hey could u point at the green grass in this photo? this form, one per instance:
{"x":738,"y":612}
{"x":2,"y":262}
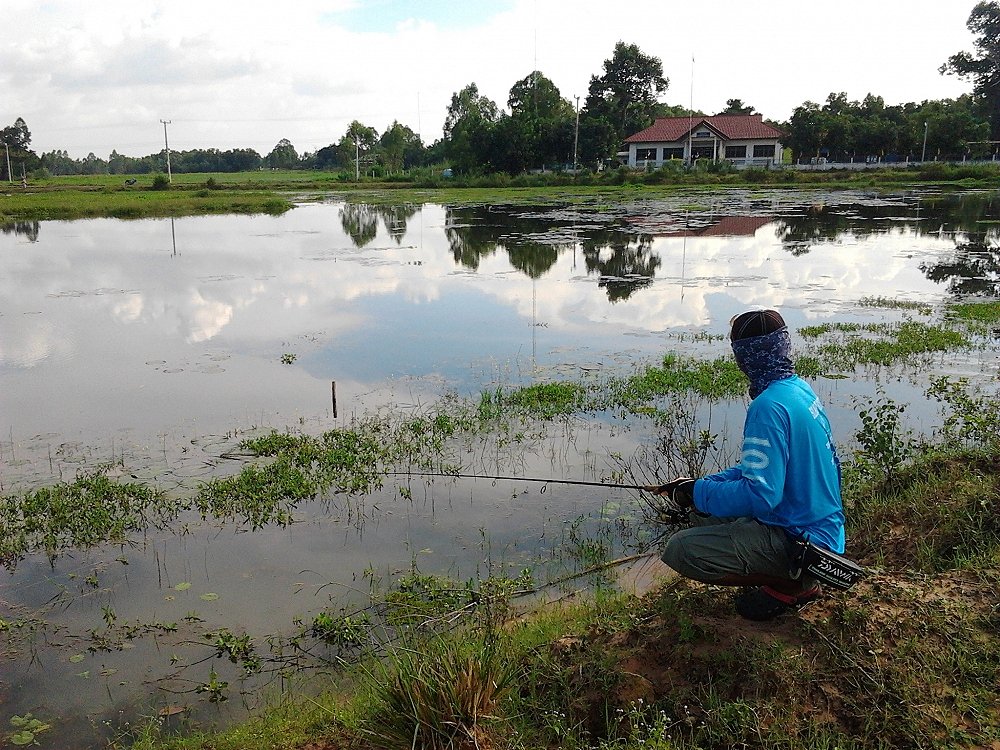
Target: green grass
{"x":92,"y":509}
{"x":847,"y":345}
{"x":716,"y":379}
{"x":266,"y":191}
{"x":895,"y":304}
{"x":136,"y":203}
{"x":980,"y":312}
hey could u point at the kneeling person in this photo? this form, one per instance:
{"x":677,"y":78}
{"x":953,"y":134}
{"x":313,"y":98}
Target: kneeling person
{"x":785,"y":488}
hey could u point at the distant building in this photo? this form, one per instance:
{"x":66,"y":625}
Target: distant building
{"x":745,"y":140}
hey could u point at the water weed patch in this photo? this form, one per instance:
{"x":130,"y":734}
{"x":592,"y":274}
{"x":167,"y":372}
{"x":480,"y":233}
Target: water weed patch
{"x":92,"y":509}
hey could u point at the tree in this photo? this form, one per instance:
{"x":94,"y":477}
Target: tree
{"x":327,"y":157}
{"x":467,"y":127}
{"x":625,"y":96}
{"x":357,"y":142}
{"x":282,"y":156}
{"x":468,"y":104}
{"x":399,"y":148}
{"x":16,"y":137}
{"x":951,"y":125}
{"x":737,"y":107}
{"x":984,"y":67}
{"x":541,"y":121}
{"x":805,"y":130}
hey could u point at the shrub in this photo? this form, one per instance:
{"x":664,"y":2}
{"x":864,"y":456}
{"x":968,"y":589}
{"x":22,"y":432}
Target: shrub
{"x":442,"y":694}
{"x":161,"y":182}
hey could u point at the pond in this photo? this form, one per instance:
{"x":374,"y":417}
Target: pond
{"x":155,"y":346}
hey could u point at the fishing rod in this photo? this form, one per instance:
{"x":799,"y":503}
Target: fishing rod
{"x":643,"y":487}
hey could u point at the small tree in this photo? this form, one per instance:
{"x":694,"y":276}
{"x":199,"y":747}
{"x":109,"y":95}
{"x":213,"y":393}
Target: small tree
{"x":984,"y":67}
{"x":282,"y":156}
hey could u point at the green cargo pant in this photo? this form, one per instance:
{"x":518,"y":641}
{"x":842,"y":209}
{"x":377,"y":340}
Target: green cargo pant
{"x":714,"y":548}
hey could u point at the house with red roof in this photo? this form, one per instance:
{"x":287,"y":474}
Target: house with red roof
{"x":745,"y":140}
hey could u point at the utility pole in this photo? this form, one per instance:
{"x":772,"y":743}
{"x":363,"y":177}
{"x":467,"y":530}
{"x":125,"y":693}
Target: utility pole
{"x":10,"y":177}
{"x":576,"y":132}
{"x":357,"y":158}
{"x":923,"y":154}
{"x":167,"y":146}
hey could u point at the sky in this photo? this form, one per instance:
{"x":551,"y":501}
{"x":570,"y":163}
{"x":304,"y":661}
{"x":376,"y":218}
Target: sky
{"x":97,"y":75}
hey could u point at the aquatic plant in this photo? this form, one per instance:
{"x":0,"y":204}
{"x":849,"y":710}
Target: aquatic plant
{"x":92,"y":509}
{"x":715,"y":379}
{"x":884,"y":343}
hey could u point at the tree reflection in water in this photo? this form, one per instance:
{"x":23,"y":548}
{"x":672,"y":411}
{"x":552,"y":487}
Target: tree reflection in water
{"x":360,"y":221}
{"x":974,"y":270}
{"x":533,"y":238}
{"x":29,"y":229}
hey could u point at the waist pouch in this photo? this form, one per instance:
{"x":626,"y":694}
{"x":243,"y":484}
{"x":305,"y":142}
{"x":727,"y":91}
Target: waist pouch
{"x":825,"y":566}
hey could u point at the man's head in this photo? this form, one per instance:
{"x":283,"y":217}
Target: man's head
{"x":755,"y":323}
{"x":762,"y":348}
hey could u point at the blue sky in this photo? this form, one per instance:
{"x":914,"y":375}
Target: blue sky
{"x":383,"y":15}
{"x":96,"y":76}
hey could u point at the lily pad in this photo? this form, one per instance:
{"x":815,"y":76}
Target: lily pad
{"x":209,"y":597}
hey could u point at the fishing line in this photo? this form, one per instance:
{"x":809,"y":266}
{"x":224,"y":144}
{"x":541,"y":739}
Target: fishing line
{"x":494,"y":478}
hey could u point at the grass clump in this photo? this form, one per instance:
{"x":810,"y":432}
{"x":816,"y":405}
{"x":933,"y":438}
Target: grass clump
{"x":541,"y":401}
{"x":92,"y":509}
{"x":882,"y":343}
{"x":258,"y":495}
{"x":984,"y":314}
{"x":715,"y":379}
{"x":941,"y":513}
{"x":888,"y":303}
{"x":444,"y":694}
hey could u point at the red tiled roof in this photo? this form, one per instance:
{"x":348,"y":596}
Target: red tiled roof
{"x":730,"y":127}
{"x":727,"y":226}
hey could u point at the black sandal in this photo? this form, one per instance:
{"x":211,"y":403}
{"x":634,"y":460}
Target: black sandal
{"x":764,"y":603}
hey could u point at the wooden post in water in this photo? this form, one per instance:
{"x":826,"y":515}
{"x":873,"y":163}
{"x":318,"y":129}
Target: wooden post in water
{"x":333,"y":393}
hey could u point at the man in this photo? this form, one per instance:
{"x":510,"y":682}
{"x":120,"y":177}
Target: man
{"x":786,"y":486}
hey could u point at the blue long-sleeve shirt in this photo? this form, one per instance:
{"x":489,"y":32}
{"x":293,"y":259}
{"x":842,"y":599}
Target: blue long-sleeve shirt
{"x":789,"y":474}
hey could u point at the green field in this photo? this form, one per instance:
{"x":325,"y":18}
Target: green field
{"x":87,"y":196}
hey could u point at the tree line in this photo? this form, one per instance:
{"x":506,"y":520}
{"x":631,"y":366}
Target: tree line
{"x":541,"y":129}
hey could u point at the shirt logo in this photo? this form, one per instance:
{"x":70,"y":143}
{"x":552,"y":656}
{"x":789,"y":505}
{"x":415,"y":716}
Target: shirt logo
{"x":756,"y":458}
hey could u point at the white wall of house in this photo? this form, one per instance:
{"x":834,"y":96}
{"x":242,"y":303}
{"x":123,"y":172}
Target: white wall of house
{"x":639,"y":154}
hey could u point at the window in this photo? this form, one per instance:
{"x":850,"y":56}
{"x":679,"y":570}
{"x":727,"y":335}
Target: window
{"x":763,"y":151}
{"x":645,"y":154}
{"x":673,"y":153}
{"x":736,"y":152}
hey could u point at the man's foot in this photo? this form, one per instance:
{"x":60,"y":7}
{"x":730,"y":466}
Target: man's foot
{"x":764,"y":603}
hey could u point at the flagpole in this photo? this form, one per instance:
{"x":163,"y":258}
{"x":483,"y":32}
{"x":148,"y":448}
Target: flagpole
{"x":691,"y":116}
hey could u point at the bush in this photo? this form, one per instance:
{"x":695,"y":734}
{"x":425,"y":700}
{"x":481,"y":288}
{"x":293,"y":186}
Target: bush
{"x":161,"y":182}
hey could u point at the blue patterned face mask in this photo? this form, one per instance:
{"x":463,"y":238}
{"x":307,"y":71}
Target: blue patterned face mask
{"x":765,"y":359}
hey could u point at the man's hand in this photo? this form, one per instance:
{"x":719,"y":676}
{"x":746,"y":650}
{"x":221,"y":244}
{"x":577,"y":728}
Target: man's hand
{"x":680,"y":491}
